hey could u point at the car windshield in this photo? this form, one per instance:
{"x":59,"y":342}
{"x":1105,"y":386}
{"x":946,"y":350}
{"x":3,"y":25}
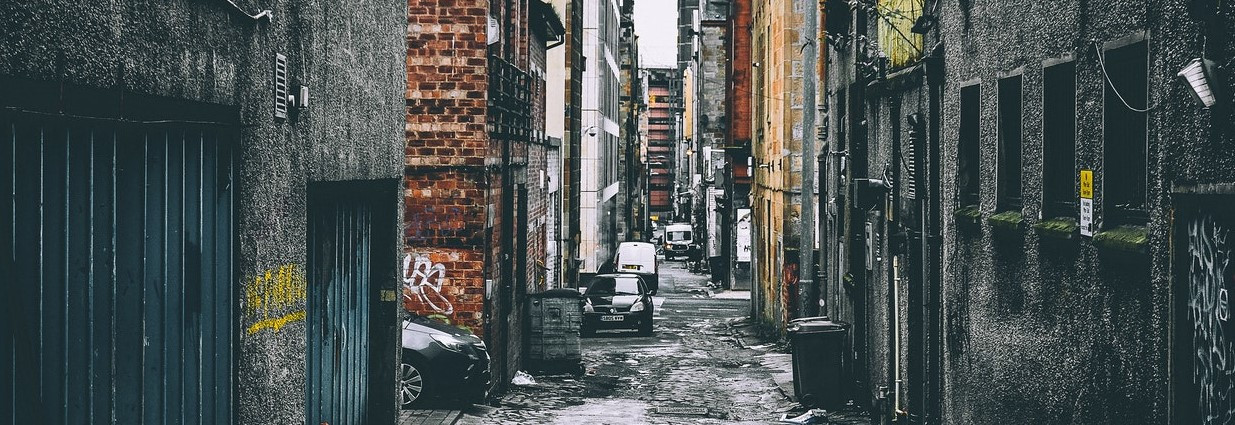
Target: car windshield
{"x":679,"y":236}
{"x":615,"y":286}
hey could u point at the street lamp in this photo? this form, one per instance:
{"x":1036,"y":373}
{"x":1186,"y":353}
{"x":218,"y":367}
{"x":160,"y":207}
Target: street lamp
{"x":1200,"y":74}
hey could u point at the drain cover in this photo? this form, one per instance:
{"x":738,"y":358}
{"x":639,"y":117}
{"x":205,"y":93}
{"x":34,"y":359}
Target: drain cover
{"x":691,"y":411}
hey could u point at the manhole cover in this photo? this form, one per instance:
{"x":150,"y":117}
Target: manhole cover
{"x":690,"y":411}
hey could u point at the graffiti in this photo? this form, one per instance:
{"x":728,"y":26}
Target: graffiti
{"x":275,"y":298}
{"x":1209,"y":310}
{"x":422,"y":283}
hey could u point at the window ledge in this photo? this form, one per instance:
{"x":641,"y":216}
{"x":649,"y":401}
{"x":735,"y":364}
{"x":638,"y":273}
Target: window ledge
{"x":1058,"y":228}
{"x":968,"y":216}
{"x":1133,"y":239}
{"x":1009,"y":221}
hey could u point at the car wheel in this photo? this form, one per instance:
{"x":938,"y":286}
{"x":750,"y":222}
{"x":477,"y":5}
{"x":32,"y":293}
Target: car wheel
{"x":587,"y":332}
{"x":411,"y":384}
{"x":645,"y":327}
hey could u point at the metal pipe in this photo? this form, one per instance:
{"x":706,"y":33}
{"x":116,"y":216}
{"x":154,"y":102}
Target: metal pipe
{"x":808,"y":294}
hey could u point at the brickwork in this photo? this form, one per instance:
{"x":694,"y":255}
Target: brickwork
{"x":448,"y":193}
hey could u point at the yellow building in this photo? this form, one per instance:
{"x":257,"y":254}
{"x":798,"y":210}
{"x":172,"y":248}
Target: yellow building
{"x":776,"y":150}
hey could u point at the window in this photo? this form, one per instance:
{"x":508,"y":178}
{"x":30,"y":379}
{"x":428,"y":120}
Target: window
{"x":967,"y":158}
{"x":1059,"y":140}
{"x":1124,"y":135}
{"x":1009,"y":183}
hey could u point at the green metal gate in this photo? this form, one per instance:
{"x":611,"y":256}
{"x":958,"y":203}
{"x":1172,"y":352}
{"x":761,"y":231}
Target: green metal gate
{"x":351,"y":359}
{"x":119,"y":301}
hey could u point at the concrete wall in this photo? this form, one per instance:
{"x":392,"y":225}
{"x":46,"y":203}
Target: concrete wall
{"x":210,"y":52}
{"x":1044,"y":327}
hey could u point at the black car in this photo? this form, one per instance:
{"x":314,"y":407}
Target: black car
{"x":441,"y":361}
{"x":617,"y":301}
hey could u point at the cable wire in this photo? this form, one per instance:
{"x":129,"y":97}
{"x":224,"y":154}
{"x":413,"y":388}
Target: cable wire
{"x":1105,"y":74}
{"x":264,"y":14}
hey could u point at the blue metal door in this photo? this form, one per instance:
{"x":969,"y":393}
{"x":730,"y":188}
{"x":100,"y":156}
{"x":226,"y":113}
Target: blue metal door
{"x":351,"y":257}
{"x":117,"y":262}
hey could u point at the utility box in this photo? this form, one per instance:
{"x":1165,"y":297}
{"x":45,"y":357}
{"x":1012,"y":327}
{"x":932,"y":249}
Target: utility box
{"x":819,"y":347}
{"x":553,"y":334}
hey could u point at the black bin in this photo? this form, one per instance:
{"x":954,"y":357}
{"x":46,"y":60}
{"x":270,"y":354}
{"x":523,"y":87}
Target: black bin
{"x":819,"y":378}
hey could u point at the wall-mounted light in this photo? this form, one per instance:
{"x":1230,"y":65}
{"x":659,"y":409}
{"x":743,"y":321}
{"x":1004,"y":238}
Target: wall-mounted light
{"x":923,"y":24}
{"x":1200,"y":75}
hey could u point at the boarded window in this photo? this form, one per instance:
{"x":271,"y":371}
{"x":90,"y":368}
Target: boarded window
{"x":1010,"y":143}
{"x":1124,"y":135}
{"x":968,"y":159}
{"x":1059,"y":140}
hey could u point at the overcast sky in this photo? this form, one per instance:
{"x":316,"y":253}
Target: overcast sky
{"x":656,"y":22}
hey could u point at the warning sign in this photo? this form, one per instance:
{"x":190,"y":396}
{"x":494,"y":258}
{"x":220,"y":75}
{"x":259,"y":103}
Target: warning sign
{"x":1086,"y":184}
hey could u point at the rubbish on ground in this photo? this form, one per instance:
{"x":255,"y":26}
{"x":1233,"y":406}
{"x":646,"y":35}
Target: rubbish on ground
{"x":523,"y":379}
{"x":812,"y":416}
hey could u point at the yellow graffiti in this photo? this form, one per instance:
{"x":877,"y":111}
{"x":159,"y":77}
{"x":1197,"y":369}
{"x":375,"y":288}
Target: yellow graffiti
{"x":277,"y":323}
{"x":896,"y":18}
{"x":275,"y":298}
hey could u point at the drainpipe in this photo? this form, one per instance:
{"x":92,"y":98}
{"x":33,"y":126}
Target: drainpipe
{"x":808,"y":294}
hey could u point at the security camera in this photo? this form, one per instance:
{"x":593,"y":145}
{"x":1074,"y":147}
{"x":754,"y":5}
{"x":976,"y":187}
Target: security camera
{"x":591,"y":132}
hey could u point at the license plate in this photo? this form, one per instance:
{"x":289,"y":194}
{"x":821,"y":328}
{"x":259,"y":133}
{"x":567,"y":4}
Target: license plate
{"x":611,"y":318}
{"x":631,"y":267}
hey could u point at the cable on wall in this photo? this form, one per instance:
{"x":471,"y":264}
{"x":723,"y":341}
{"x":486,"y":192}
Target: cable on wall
{"x":264,"y":14}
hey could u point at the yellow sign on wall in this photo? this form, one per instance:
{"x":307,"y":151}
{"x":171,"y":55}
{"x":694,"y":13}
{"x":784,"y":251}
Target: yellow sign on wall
{"x":1086,"y":184}
{"x":896,"y":19}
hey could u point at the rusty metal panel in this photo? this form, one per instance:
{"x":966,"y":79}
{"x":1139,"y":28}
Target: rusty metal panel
{"x":121,"y":252}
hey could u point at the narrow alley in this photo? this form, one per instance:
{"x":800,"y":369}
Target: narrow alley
{"x":355,"y":212}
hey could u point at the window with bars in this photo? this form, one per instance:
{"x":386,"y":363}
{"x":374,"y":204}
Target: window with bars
{"x":1059,"y":192}
{"x":1009,"y":183}
{"x":1125,"y":135}
{"x":968,"y":159}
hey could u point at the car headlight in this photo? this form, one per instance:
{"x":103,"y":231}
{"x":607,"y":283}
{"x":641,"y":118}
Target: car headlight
{"x":587,"y":307}
{"x":449,"y":342}
{"x":637,"y":307}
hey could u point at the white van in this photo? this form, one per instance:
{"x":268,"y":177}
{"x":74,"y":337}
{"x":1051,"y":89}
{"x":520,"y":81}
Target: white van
{"x":639,"y":258}
{"x":677,"y":240}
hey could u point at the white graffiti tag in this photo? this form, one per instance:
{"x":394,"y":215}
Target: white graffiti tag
{"x":422,"y":281}
{"x":1209,"y":309}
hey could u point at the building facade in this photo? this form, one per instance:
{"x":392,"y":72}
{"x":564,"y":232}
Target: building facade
{"x":777,"y":160}
{"x":633,"y":224}
{"x":662,"y":143}
{"x":476,"y":151}
{"x":1021,"y":207}
{"x":599,"y":151}
{"x":181,"y":179}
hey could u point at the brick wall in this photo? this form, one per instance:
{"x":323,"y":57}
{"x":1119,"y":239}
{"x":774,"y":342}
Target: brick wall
{"x":447,"y":194}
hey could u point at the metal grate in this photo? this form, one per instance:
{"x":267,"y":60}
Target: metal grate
{"x":280,"y":86}
{"x":682,"y":410}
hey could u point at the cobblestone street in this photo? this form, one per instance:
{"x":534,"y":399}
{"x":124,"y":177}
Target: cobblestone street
{"x":693,"y":369}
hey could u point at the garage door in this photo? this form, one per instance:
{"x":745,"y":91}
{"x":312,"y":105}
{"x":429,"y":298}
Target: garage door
{"x":117,"y":263}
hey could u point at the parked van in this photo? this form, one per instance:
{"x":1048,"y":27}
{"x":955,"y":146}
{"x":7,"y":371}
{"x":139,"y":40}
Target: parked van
{"x":639,"y":258}
{"x":677,"y":240}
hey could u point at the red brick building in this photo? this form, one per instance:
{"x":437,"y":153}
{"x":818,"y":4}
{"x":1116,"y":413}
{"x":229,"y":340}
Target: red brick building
{"x":475,"y":152}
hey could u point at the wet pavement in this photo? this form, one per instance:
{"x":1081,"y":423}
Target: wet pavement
{"x":704,"y":364}
{"x":691,"y":370}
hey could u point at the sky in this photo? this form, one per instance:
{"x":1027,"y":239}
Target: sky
{"x":656,"y":23}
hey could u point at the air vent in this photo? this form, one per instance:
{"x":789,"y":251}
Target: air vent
{"x":280,"y":86}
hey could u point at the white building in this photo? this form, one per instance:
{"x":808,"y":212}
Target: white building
{"x":600,"y":134}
